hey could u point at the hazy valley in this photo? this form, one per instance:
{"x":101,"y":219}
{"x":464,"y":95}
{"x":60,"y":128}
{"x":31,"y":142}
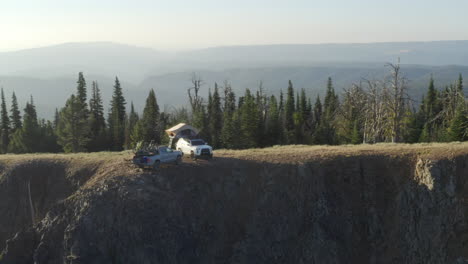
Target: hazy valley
{"x":53,"y":70}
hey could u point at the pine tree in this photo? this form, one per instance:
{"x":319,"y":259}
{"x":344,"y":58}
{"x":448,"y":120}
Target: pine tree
{"x":316,"y":121}
{"x":289,"y":108}
{"x":116,"y":118}
{"x":249,"y":121}
{"x":331,"y":101}
{"x":73,"y":127}
{"x":356,"y":137}
{"x":137,"y":133}
{"x":81,"y":89}
{"x":300,"y":117}
{"x":317,"y":111}
{"x":416,"y":125}
{"x":209,"y":107}
{"x":261,"y":103}
{"x":281,"y":117}
{"x":281,"y":102}
{"x":308,"y":122}
{"x":31,"y":111}
{"x":458,"y":129}
{"x":5,"y":125}
{"x":15,"y":114}
{"x":431,"y":107}
{"x":289,"y":116}
{"x":303,"y":105}
{"x":460,"y":83}
{"x":150,"y":119}
{"x":97,"y":123}
{"x":331,"y":104}
{"x":229,"y":131}
{"x":200,"y":121}
{"x":27,"y":138}
{"x":215,"y":118}
{"x":298,"y":105}
{"x":349,"y":119}
{"x":309,"y":107}
{"x":48,"y":138}
{"x":81,"y":96}
{"x":241,"y":101}
{"x":273,"y":123}
{"x":164,"y":121}
{"x":56,"y":119}
{"x":130,"y":127}
{"x":425,"y":135}
{"x":431,"y":100}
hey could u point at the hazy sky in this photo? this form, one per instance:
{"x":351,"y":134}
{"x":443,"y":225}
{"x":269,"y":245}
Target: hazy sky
{"x":177,"y":24}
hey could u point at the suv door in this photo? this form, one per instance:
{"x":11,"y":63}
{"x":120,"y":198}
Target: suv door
{"x":187,"y":147}
{"x":183,"y":146}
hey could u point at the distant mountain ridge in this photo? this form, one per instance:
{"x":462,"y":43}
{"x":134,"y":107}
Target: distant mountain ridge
{"x":134,"y":63}
{"x":49,"y":73}
{"x":99,"y":58}
{"x":426,"y":53}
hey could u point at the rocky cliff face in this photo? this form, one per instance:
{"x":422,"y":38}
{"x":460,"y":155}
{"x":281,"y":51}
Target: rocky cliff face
{"x":362,"y":208}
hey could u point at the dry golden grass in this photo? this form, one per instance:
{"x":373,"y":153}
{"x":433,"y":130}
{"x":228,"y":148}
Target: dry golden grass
{"x":301,"y":153}
{"x":280,"y":154}
{"x":111,"y":165}
{"x":76,"y":157}
{"x":104,"y":165}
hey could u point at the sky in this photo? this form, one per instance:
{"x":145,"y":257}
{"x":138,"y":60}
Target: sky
{"x":190,"y":24}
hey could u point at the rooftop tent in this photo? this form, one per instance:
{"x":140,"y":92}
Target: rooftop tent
{"x":182,"y":130}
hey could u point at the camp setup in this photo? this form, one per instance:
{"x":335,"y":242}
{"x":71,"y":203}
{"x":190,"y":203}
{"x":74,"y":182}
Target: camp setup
{"x":181,"y":130}
{"x":185,"y":139}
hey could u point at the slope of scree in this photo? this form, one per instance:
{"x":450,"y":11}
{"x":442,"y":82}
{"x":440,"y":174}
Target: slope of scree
{"x":296,"y":204}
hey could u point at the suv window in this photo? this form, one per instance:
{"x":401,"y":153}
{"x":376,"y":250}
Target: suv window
{"x":197,"y":142}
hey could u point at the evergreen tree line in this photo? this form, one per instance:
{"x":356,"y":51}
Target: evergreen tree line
{"x":80,"y":126}
{"x":368,"y":112}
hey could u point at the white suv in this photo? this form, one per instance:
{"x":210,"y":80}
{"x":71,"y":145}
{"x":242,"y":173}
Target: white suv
{"x":196,"y":148}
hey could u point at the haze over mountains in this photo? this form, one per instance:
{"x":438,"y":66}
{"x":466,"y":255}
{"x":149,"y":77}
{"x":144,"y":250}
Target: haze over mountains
{"x":50,"y":73}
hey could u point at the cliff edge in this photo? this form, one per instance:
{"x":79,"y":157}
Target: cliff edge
{"x":384,"y":203}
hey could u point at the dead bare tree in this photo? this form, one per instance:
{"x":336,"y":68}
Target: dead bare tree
{"x":354,"y":101}
{"x":374,"y":112}
{"x":396,"y":100}
{"x":451,"y":99}
{"x":195,"y":99}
